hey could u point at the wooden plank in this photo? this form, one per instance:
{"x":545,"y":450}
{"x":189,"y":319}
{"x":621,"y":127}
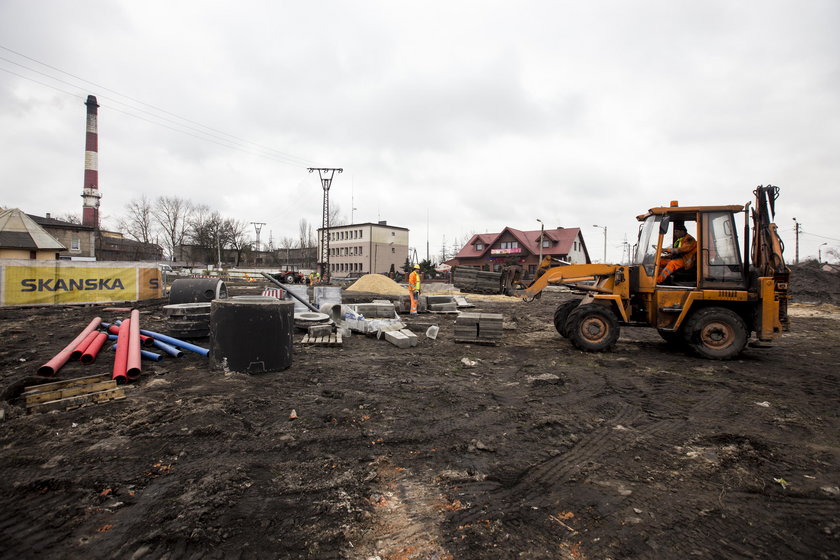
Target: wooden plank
{"x":44,"y":387}
{"x":70,"y":392}
{"x":79,"y":400}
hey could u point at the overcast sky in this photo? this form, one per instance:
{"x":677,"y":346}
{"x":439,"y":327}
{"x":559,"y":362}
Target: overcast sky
{"x":448,"y":118}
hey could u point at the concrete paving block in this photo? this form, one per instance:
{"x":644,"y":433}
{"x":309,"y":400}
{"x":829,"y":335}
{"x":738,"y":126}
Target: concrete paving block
{"x":432,"y":300}
{"x":320,"y":330}
{"x":411,"y":336}
{"x":376,"y":310}
{"x":398,"y":339}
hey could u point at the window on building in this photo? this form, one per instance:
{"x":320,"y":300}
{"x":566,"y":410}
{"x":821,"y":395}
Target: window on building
{"x":393,"y":249}
{"x":479,"y":246}
{"x":546,"y":243}
{"x":75,"y":245}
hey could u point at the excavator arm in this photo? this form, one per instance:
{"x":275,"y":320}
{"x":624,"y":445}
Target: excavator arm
{"x":767,"y":246}
{"x":588,"y":277}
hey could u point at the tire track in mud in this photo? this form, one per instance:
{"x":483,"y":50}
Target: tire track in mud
{"x":710,"y":534}
{"x":548,"y":475}
{"x":25,"y":536}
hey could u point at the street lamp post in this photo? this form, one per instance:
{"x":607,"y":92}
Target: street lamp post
{"x":819,"y":252}
{"x":542,"y":229}
{"x":605,"y":240}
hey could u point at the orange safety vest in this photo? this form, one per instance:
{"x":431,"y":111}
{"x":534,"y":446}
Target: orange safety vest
{"x":686,"y":247}
{"x":414,"y":281}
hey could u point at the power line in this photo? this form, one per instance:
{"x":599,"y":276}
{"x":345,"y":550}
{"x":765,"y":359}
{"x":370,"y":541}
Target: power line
{"x":267,"y":152}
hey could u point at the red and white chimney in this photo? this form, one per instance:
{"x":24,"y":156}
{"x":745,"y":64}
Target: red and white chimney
{"x":90,"y":192}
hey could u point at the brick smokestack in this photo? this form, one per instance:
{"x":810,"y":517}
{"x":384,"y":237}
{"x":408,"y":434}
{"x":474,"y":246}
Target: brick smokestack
{"x":90,"y":192}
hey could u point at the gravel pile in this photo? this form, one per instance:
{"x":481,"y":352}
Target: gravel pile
{"x":377,"y":284}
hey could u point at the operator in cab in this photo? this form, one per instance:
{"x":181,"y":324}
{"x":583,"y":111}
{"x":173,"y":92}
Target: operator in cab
{"x":681,"y":256}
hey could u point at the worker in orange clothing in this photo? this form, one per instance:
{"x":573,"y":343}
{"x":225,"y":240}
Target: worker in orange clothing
{"x":414,"y":288}
{"x":681,"y":255}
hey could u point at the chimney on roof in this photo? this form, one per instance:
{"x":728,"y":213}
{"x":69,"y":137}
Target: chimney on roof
{"x":90,"y":190}
{"x":48,"y":215}
{"x":383,"y":222}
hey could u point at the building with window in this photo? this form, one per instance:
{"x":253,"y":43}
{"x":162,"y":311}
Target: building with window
{"x":79,"y":240}
{"x":491,"y":251}
{"x":358,"y":249}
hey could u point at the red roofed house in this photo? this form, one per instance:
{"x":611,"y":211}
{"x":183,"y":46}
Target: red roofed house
{"x":491,"y":251}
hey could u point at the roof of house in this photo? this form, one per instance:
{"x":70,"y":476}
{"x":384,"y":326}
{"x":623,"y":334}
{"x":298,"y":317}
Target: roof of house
{"x":19,"y":231}
{"x":528,"y":240}
{"x":52,"y":222}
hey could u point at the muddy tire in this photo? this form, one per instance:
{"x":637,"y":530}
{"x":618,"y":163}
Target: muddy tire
{"x":561,"y":316}
{"x":592,"y":328}
{"x":716,"y":333}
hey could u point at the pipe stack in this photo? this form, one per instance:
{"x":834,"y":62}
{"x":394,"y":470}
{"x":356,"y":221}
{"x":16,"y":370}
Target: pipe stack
{"x":129,"y":339}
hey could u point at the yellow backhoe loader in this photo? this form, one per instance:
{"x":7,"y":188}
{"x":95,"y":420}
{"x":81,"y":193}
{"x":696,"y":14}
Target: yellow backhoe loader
{"x":719,"y":298}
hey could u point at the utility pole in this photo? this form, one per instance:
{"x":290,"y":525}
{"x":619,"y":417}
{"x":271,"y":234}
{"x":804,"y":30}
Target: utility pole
{"x":258,"y":227}
{"x":326,"y":175}
{"x":428,"y":258}
{"x":797,"y":228}
{"x":605,"y":240}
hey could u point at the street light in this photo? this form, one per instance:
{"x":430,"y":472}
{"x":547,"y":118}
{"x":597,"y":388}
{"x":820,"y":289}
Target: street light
{"x":605,"y":240}
{"x":819,"y":252}
{"x":542,"y":228}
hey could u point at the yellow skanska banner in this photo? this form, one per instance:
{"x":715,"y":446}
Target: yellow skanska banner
{"x":66,"y":282}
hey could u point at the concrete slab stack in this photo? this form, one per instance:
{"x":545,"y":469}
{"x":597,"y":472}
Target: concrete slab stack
{"x":482,"y":328}
{"x":473,"y":280}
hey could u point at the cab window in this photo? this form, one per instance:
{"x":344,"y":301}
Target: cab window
{"x":721,"y":256}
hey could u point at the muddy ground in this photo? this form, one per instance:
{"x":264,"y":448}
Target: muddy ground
{"x":528,"y":449}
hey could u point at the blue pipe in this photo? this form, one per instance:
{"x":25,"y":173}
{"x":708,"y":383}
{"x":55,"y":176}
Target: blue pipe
{"x":171,"y":350}
{"x":175,"y":342}
{"x":145,"y":354}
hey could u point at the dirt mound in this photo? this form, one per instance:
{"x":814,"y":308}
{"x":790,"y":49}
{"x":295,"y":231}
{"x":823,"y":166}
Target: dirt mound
{"x":811,"y":284}
{"x":377,"y":284}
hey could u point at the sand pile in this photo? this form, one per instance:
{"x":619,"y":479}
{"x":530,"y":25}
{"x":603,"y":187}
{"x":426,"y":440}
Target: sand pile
{"x":377,"y":284}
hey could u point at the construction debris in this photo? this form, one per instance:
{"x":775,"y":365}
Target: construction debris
{"x":63,"y":395}
{"x":330,"y":339}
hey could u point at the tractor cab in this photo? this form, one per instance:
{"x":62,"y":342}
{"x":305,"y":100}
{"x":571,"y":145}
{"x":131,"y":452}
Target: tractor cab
{"x":716,"y":263}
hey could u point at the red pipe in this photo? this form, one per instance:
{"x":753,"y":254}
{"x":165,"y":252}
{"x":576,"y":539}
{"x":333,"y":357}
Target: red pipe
{"x":121,"y":356}
{"x":133,"y":361}
{"x":146,"y":340}
{"x":80,"y":349}
{"x":50,"y":368}
{"x":93,"y":349}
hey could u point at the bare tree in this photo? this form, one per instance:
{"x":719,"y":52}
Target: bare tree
{"x":171,"y":214}
{"x":287,"y":244}
{"x":336,"y":217}
{"x":305,"y":237}
{"x":235,"y":233}
{"x":69,"y":217}
{"x":206,"y":231}
{"x":138,"y":222}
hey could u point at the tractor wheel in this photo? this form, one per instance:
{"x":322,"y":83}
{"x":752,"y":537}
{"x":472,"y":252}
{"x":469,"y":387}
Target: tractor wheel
{"x":290,"y":279}
{"x":561,"y":315}
{"x":716,"y":333}
{"x":593,"y":328}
